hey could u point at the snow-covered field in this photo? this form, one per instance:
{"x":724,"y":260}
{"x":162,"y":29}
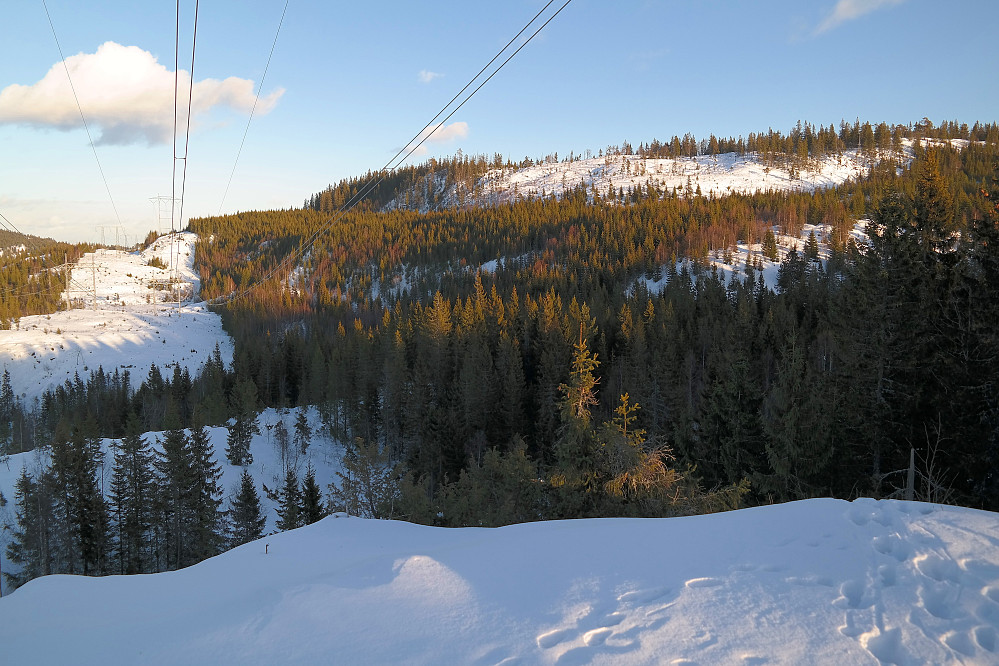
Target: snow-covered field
{"x":813,"y":582}
{"x":135,"y":322}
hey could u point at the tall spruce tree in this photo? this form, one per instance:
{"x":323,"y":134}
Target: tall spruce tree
{"x":246,"y":520}
{"x":81,"y":505}
{"x":30,"y":546}
{"x":207,"y":530}
{"x":313,"y":509}
{"x":244,"y":424}
{"x":176,"y":483}
{"x":289,"y":503}
{"x":131,"y":499}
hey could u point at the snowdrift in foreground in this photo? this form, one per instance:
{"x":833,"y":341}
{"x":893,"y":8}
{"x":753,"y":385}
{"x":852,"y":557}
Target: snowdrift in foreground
{"x":819,"y":581}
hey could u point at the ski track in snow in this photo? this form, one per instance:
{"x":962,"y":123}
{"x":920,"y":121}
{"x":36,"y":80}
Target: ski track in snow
{"x":132,"y":325}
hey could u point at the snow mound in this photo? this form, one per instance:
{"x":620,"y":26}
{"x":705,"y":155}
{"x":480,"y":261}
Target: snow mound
{"x":818,"y":581}
{"x":128,"y":313}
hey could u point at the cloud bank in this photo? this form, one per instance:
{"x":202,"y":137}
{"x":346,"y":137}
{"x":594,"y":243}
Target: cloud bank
{"x":126,"y":95}
{"x":446,"y":133}
{"x":848,"y":10}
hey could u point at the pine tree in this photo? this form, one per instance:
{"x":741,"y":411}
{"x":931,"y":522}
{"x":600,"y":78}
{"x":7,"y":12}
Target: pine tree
{"x":246,"y":521}
{"x":579,"y":469}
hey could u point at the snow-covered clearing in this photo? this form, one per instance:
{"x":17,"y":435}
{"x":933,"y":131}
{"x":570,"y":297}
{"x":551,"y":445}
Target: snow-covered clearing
{"x":135,"y":321}
{"x":731,"y":264}
{"x":713,"y":175}
{"x":819,"y":581}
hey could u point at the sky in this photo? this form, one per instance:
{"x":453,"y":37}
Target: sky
{"x":350,"y":83}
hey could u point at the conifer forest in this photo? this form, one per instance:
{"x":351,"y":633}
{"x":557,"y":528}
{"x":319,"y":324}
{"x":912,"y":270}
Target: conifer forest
{"x":484,"y":363}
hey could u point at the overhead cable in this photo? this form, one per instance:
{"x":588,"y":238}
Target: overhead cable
{"x":82,"y":117}
{"x":371,"y":185}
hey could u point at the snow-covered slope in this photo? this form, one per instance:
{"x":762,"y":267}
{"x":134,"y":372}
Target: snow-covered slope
{"x":717,"y":175}
{"x":813,"y":582}
{"x":134,"y":322}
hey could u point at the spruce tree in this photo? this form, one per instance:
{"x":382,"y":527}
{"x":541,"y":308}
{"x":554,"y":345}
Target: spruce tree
{"x":131,"y":499}
{"x":243,"y":426}
{"x":812,"y":247}
{"x":246,"y":521}
{"x":176,"y":483}
{"x":770,"y":245}
{"x":208,"y":525}
{"x":303,"y":431}
{"x":289,"y":503}
{"x":30,"y":546}
{"x":312,"y":499}
{"x":82,"y":510}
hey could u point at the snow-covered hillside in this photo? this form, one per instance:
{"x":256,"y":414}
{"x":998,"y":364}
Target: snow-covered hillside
{"x":717,"y":175}
{"x":136,"y":320}
{"x":813,"y":582}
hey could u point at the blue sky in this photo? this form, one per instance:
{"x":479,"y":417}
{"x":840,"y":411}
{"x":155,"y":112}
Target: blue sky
{"x":350,"y":83}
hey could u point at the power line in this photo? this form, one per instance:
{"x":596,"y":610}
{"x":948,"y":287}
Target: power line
{"x":254,"y":107}
{"x":190,"y":99}
{"x":363,"y":192}
{"x":80,"y":108}
{"x":177,"y":219}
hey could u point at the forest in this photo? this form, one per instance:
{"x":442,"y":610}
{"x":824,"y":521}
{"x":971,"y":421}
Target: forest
{"x":29,"y":275}
{"x":554,"y":384}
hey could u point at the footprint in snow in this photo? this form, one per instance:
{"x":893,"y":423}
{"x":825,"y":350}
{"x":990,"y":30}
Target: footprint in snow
{"x":703,"y":582}
{"x":986,"y":638}
{"x":643,"y":596}
{"x":550,"y":639}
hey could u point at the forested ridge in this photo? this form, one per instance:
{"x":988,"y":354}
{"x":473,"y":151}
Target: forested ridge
{"x":487,"y":365}
{"x":30,"y":283}
{"x":821,"y":387}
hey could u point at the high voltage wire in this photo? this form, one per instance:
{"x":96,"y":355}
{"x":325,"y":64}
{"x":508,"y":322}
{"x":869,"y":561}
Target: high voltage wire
{"x":80,"y":109}
{"x":254,"y":107}
{"x":176,"y":219}
{"x":367,"y":189}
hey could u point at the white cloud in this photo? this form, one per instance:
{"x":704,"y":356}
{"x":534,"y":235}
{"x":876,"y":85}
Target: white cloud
{"x":126,"y":95}
{"x":426,"y":76}
{"x":458,"y":130}
{"x":848,"y":10}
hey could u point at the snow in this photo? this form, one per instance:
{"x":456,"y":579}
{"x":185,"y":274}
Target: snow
{"x":134,"y":323}
{"x":817,"y":581}
{"x":716,"y":175}
{"x":268,"y":468}
{"x":753,"y":252}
